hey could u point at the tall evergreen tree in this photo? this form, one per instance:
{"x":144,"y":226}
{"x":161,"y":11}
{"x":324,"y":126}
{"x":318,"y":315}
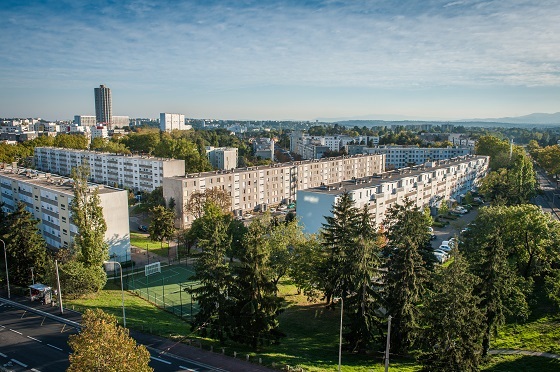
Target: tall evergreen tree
{"x":213,"y":272}
{"x":406,"y":273}
{"x":338,"y":236}
{"x":163,"y":224}
{"x":26,"y":248}
{"x":453,"y":323}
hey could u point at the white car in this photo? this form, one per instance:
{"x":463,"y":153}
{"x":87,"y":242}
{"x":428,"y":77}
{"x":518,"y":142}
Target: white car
{"x":441,"y":257}
{"x":445,"y":246}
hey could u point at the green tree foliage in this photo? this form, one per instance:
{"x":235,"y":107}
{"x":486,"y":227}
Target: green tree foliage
{"x":198,"y":199}
{"x":283,"y":238}
{"x":163,"y":224}
{"x":214,"y":317}
{"x":452,"y":321}
{"x":338,"y":236}
{"x":108,"y":145}
{"x":256,"y":306}
{"x":71,"y":141}
{"x":406,"y":275}
{"x":304,"y":270}
{"x":498,"y":150}
{"x":548,"y":158}
{"x":25,"y":248}
{"x":104,"y":346}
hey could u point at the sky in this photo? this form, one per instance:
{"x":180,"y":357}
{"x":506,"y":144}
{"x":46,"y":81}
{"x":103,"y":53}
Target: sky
{"x":281,"y":60}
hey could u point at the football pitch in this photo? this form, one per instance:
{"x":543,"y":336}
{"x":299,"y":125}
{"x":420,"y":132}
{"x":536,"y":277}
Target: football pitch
{"x":167,"y":289}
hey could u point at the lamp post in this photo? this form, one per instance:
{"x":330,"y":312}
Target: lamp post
{"x":6,"y":262}
{"x":340,"y":334}
{"x":122,"y":289}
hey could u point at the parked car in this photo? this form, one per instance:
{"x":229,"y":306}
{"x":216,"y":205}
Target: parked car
{"x":445,"y":246}
{"x":143,"y":228}
{"x":430,"y":229}
{"x":440,"y":257}
{"x":282,"y":207}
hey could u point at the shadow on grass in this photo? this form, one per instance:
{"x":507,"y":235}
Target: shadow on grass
{"x":522,"y":363}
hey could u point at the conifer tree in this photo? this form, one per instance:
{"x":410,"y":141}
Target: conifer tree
{"x":453,"y":322}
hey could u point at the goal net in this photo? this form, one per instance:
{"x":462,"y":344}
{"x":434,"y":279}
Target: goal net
{"x":152,"y":268}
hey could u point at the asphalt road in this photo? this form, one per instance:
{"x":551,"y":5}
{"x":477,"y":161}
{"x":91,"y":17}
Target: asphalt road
{"x":29,"y":342}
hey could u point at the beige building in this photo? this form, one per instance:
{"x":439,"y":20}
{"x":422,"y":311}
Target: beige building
{"x":49,"y":197}
{"x":139,"y":173}
{"x":269,"y":185}
{"x":425,"y":185}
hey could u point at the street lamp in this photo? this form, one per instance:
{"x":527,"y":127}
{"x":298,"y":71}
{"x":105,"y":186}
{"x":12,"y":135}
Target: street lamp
{"x":340,"y":335}
{"x":122,"y":289}
{"x":6,"y":262}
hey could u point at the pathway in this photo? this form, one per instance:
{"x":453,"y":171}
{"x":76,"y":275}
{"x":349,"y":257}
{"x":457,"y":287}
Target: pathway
{"x":523,"y":352}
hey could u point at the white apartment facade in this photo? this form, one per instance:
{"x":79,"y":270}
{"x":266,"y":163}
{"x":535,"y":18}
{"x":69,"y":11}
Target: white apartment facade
{"x":169,"y":122}
{"x":139,"y":173}
{"x":404,"y":156}
{"x":223,"y":157}
{"x":313,"y":147}
{"x":423,"y":185}
{"x":85,"y":120}
{"x":264,"y":148}
{"x":268,"y":185}
{"x":49,"y":199}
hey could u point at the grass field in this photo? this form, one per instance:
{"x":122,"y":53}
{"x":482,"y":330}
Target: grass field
{"x":142,"y":241}
{"x":166,"y":289}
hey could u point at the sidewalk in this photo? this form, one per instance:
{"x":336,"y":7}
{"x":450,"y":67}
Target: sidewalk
{"x":165,"y":346}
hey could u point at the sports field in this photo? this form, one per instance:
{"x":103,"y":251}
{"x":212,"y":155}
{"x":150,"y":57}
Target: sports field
{"x":167,"y":289}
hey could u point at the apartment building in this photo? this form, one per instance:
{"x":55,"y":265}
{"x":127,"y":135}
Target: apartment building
{"x":49,"y":197}
{"x":425,"y":185}
{"x":314,"y":147}
{"x":268,"y":185}
{"x":404,"y":156}
{"x":222,"y":157}
{"x":264,"y":148}
{"x":139,"y":173}
{"x":85,"y":120}
{"x":169,"y":122}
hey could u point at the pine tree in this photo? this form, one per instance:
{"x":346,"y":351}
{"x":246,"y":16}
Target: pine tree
{"x":213,"y":272}
{"x":406,"y":273}
{"x":104,"y":346}
{"x":163,"y":224}
{"x":26,"y":248}
{"x":338,"y":236}
{"x":453,"y":323}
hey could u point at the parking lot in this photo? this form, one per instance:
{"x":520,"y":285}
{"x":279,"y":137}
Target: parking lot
{"x":454,"y":228}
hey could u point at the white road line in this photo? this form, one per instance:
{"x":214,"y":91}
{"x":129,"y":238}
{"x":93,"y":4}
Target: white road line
{"x":160,"y":360}
{"x":35,"y":370}
{"x":19,"y":333}
{"x":34,"y":339}
{"x":55,"y":347}
{"x":20,"y":363}
{"x":187,"y":369}
{"x":4,"y":355}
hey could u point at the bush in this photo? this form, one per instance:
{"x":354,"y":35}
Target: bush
{"x":77,"y":280}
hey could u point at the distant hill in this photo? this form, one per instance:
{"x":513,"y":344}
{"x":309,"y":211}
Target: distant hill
{"x":537,"y":118}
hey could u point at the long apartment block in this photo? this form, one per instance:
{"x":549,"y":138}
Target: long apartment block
{"x":48,"y":198}
{"x":425,"y":185}
{"x":268,"y":185}
{"x":139,"y":173}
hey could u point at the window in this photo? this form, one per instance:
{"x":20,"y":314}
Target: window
{"x":63,"y":206}
{"x":63,"y":219}
{"x":64,"y":232}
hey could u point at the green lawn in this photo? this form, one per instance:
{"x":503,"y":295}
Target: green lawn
{"x":142,"y":241}
{"x":521,"y":363}
{"x":542,"y":334}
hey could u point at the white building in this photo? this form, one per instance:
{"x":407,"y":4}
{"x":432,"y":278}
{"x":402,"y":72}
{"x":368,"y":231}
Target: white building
{"x":139,"y":173}
{"x":49,"y":197}
{"x":169,"y":122}
{"x":120,"y":121}
{"x":265,"y":186}
{"x":99,"y":131}
{"x":313,"y":147}
{"x":264,"y":148}
{"x":404,"y":156}
{"x":222,"y":157}
{"x":85,"y":120}
{"x":423,"y":185}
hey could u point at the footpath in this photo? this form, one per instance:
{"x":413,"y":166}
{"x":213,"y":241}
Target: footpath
{"x":162,"y":345}
{"x":523,"y":352}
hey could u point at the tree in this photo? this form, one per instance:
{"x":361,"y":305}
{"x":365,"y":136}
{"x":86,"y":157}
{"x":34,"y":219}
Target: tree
{"x":197,"y":200}
{"x":338,"y":236}
{"x":452,"y":322}
{"x":104,"y":346}
{"x":87,"y":215}
{"x":71,"y":141}
{"x":163,"y":224}
{"x":212,"y":270}
{"x":26,"y":248}
{"x":406,"y":275}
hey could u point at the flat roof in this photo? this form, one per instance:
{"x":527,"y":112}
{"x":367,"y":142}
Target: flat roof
{"x":395,"y":175}
{"x":89,"y":152}
{"x":60,"y":184}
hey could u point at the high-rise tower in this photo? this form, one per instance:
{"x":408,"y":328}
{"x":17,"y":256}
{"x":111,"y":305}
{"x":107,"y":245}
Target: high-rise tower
{"x":103,"y":105}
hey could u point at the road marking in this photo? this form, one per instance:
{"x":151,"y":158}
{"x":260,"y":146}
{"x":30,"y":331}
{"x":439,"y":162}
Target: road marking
{"x":19,"y":333}
{"x":4,"y":355}
{"x":188,"y":369}
{"x":160,"y":360}
{"x":57,"y":348}
{"x":35,"y":370}
{"x":20,"y":363}
{"x":34,"y":339}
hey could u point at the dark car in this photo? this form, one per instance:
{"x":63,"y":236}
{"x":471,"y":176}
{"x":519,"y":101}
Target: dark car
{"x":143,"y":228}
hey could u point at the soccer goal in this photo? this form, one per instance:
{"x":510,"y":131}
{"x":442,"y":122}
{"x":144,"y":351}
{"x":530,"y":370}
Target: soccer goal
{"x":152,"y":268}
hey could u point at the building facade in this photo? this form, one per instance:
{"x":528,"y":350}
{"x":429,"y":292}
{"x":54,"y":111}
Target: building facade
{"x":139,"y":173}
{"x":222,"y":157}
{"x":169,"y":122}
{"x":49,"y":198}
{"x":424,"y":185}
{"x":313,"y":147}
{"x":404,"y":156}
{"x":103,"y":105}
{"x":262,"y":186}
{"x":85,"y":120}
{"x":264,"y":148}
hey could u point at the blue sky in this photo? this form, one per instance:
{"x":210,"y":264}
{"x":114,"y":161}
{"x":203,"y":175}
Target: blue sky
{"x":289,"y":59}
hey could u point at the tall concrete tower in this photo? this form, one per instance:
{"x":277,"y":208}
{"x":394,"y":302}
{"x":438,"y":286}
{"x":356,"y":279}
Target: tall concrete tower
{"x":103,"y":105}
